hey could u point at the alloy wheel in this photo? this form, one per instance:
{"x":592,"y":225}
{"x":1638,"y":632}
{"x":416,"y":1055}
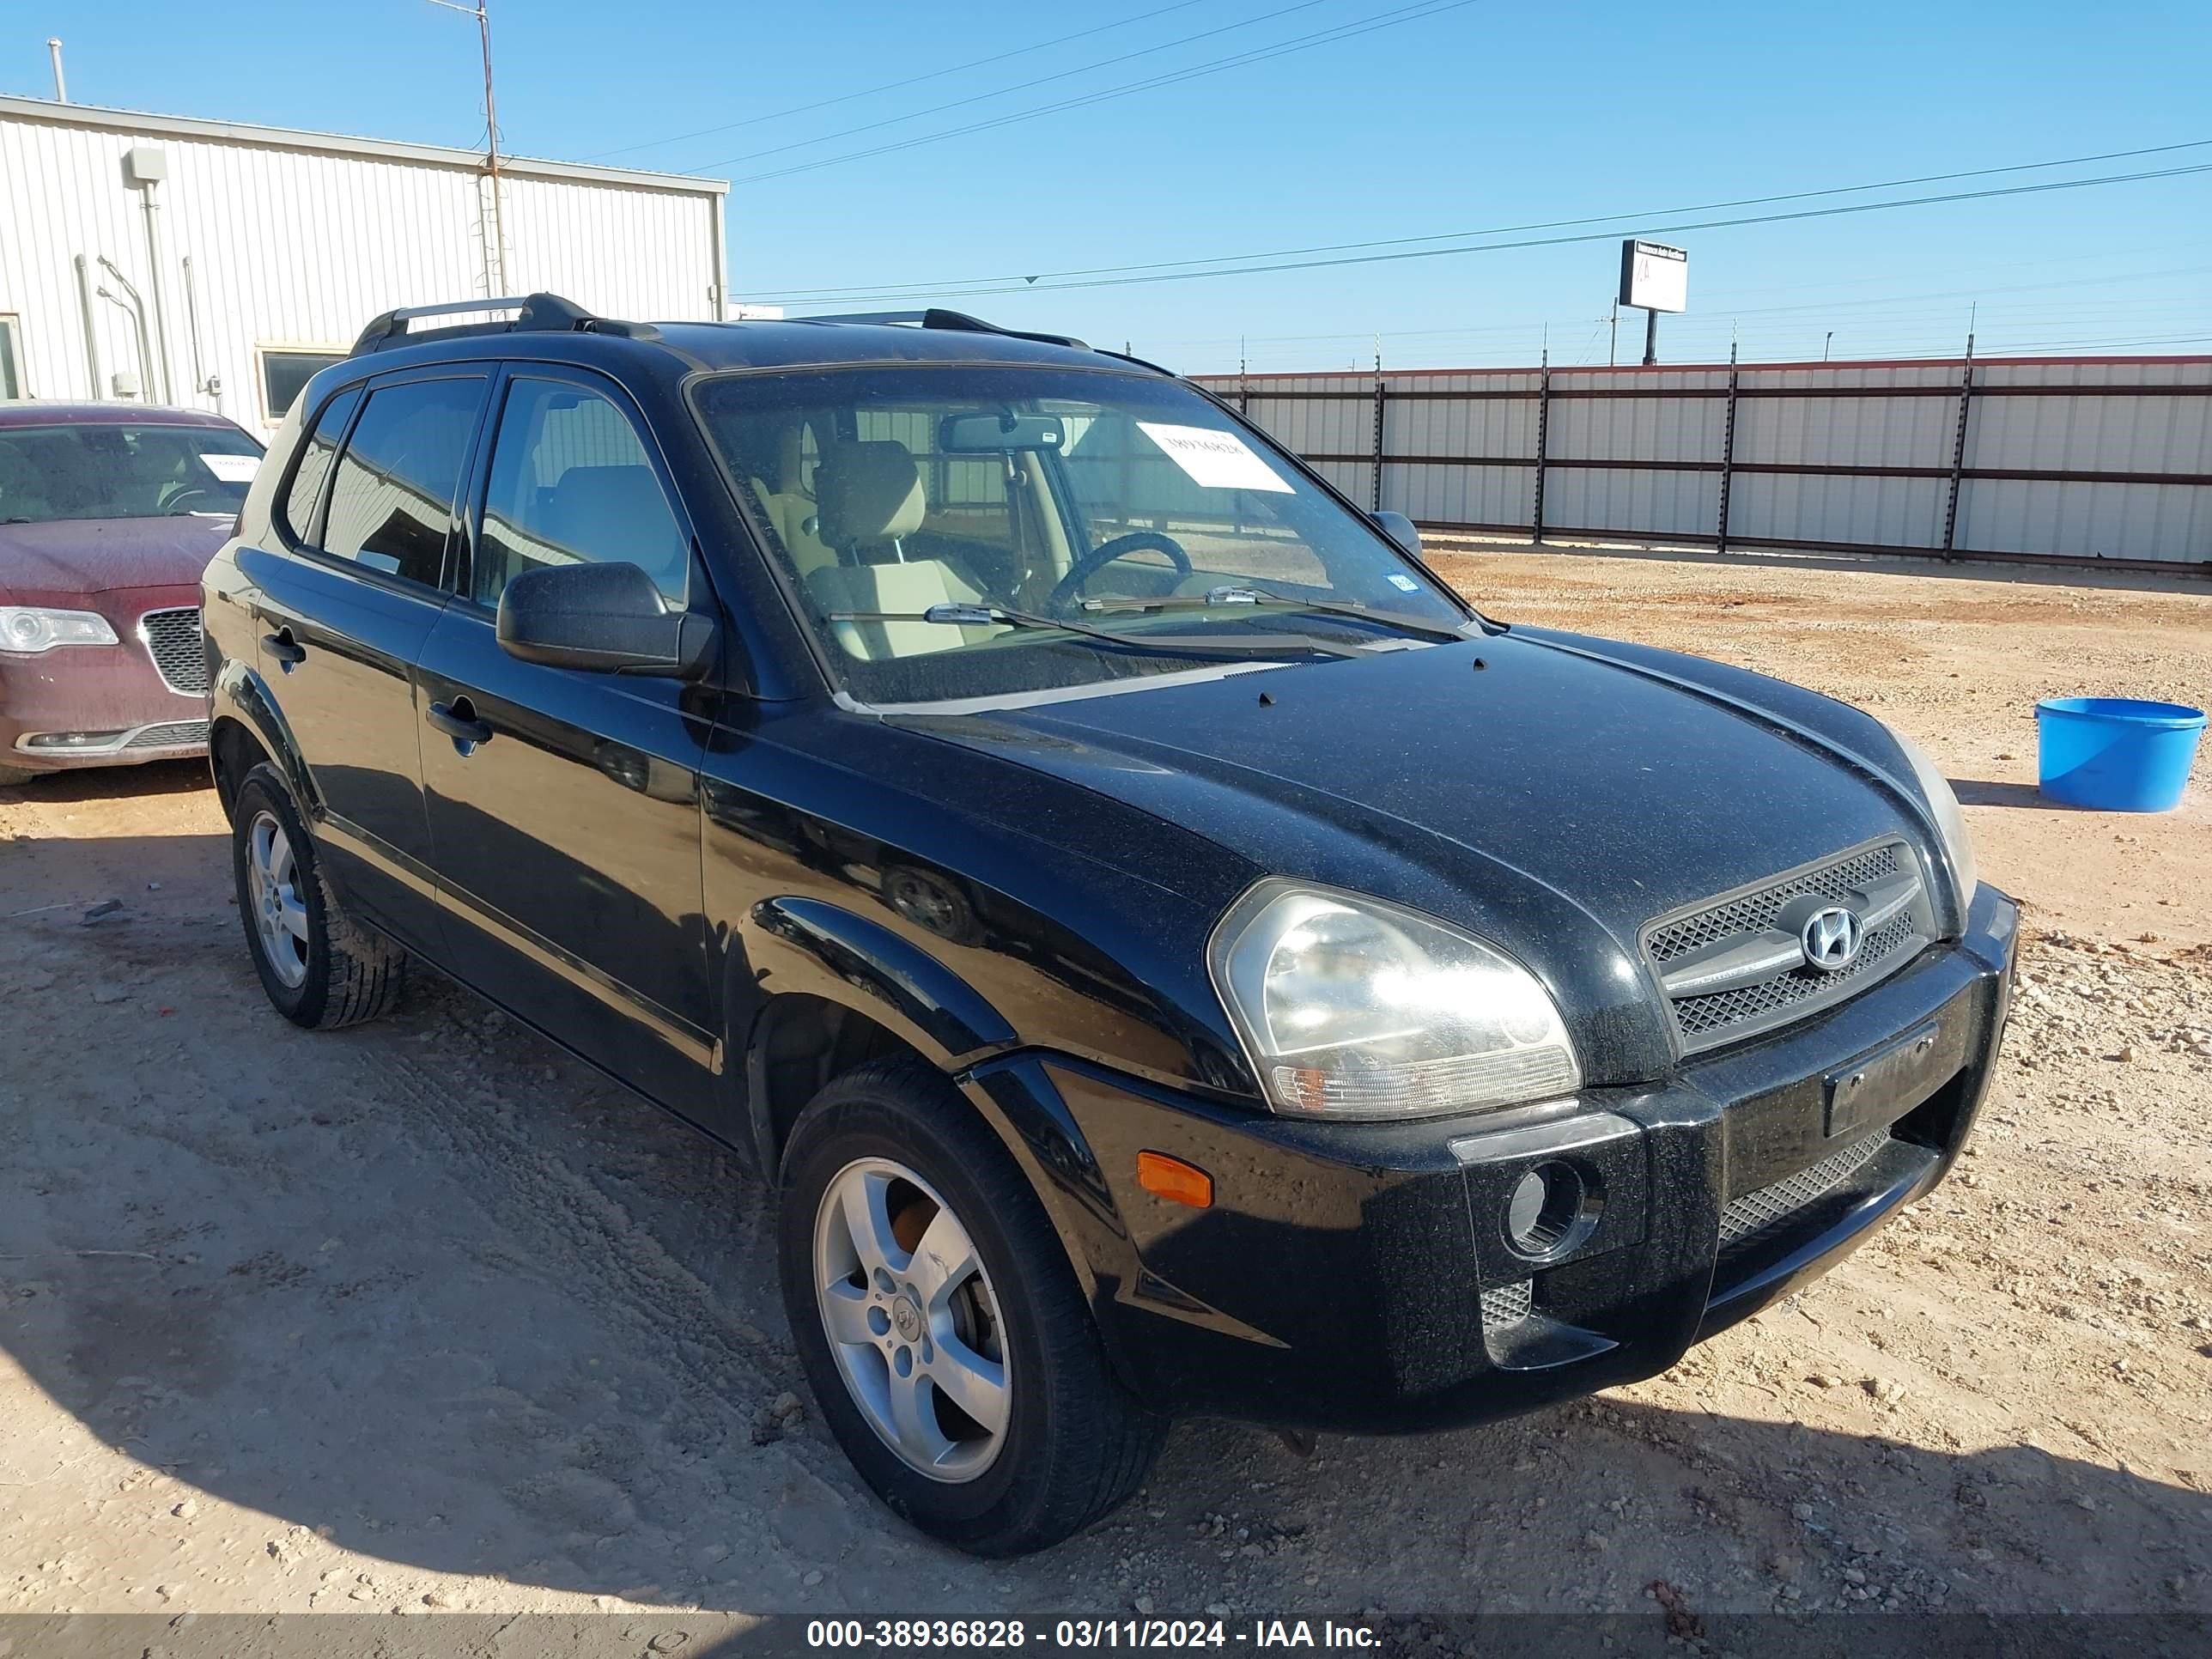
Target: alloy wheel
{"x":280,"y":916}
{"x":912,"y":1320}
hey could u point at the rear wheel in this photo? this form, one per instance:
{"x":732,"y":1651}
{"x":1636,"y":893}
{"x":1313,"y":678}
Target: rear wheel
{"x":319,"y":969}
{"x":940,"y":1324}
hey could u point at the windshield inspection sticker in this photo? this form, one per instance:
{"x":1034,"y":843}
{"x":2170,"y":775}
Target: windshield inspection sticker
{"x":233,"y":469}
{"x":1216,"y":459}
{"x":1405,"y":584}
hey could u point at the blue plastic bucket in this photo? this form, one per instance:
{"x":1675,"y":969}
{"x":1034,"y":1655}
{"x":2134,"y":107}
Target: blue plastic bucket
{"x":2117,"y":754}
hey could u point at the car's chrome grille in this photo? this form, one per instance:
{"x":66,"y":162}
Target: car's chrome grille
{"x":170,"y":734}
{"x":1788,"y":988}
{"x":173,"y":640}
{"x":1750,"y":911}
{"x":1756,"y":1214}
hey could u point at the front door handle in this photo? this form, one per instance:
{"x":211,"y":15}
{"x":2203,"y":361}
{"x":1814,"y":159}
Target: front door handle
{"x":458,"y":720}
{"x":288,"y":651}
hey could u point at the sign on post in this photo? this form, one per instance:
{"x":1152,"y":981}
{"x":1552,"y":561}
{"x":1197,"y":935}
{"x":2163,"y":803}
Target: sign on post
{"x":1654,"y":277}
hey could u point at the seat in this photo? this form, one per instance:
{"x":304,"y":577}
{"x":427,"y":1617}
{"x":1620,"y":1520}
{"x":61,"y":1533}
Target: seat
{"x":868,"y":498}
{"x":601,"y":513}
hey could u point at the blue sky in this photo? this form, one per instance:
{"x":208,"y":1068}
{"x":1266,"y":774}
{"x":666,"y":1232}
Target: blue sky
{"x":1476,"y":116}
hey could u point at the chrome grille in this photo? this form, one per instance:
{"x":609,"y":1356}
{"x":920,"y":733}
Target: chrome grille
{"x":170,"y":734}
{"x":1707,"y":1019}
{"x":173,"y":640}
{"x":1753,"y":910}
{"x":1761,"y":1212}
{"x":1507,"y":1305}
{"x":1700,"y":1017}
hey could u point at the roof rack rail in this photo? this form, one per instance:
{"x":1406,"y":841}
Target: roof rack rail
{"x":536,"y":312}
{"x":957,"y":321}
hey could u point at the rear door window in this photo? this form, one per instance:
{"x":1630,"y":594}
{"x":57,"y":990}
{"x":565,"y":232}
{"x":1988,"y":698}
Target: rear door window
{"x":391,"y":499}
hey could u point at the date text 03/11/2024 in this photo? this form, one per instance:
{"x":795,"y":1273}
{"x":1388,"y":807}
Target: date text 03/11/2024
{"x":882,"y":1633}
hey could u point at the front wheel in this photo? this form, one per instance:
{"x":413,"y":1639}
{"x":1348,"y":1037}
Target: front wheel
{"x":940,"y":1324}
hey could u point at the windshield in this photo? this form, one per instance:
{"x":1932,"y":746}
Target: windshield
{"x":122,"y":471}
{"x":957,"y":532}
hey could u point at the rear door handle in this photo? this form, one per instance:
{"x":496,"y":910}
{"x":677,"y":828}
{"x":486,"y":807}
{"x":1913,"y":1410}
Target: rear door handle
{"x":458,"y":720}
{"x":287,"y":651}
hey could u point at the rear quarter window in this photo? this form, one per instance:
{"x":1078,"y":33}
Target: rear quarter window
{"x":297,"y":511}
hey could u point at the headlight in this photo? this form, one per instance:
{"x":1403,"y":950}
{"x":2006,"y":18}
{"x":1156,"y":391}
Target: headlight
{"x":29,"y":629}
{"x":1950,"y":822}
{"x":1352,"y":1008}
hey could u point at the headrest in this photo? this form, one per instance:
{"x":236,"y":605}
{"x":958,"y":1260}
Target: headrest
{"x":868,"y":493}
{"x":616,"y":511}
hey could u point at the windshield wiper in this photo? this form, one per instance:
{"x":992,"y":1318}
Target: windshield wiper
{"x":960,"y":615}
{"x":1259,"y":598}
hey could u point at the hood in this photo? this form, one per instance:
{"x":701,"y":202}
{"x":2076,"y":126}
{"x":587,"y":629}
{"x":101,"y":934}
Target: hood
{"x":41,"y":562}
{"x":1550,"y":799}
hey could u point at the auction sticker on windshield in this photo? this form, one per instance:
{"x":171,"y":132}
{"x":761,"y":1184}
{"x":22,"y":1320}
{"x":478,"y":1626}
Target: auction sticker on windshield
{"x":1216,"y":459}
{"x":232,"y":469}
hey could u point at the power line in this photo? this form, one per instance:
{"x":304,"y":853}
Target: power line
{"x":894,"y":86}
{"x":795,"y":295}
{"x":1025,"y":85}
{"x":1326,"y":37}
{"x":1033,"y":287}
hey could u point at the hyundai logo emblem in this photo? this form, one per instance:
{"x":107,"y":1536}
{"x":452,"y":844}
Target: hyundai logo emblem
{"x":1831,"y":939}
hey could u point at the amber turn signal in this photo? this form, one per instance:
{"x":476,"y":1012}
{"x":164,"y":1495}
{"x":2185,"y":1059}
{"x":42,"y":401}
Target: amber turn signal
{"x":1174,"y":1179}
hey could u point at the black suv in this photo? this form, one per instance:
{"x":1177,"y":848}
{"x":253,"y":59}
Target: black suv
{"x":1169,"y":954}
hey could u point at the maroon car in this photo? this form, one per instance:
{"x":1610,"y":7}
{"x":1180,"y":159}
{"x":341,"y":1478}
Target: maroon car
{"x":108,"y":514}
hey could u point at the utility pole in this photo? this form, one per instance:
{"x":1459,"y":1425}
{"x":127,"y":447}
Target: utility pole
{"x":496,"y":267}
{"x":1612,"y":349}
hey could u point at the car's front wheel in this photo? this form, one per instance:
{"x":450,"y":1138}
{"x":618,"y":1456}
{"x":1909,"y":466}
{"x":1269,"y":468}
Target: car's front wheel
{"x":940,"y":1324}
{"x":320,"y":969}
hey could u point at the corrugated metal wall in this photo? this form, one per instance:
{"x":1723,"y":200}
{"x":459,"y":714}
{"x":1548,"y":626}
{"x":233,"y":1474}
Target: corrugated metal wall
{"x":294,"y":247}
{"x":2092,"y":458}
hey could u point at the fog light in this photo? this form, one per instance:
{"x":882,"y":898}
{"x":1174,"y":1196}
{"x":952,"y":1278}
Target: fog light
{"x":70,"y":739}
{"x":1545,"y":1205}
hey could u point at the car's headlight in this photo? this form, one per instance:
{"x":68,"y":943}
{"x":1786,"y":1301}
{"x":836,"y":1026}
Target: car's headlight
{"x":1950,"y":822}
{"x":1352,"y":1008}
{"x":29,"y":629}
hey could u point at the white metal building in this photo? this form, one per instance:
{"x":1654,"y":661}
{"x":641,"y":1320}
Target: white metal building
{"x":218,"y":266}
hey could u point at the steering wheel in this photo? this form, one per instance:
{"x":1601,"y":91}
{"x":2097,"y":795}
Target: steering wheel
{"x":173,"y":493}
{"x":1105,"y":553}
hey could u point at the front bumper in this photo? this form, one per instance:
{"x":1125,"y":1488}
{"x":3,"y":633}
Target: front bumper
{"x":1361,"y":1277}
{"x":100,"y":705}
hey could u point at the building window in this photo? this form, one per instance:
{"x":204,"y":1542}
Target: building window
{"x":11,"y":358}
{"x":285,"y":373}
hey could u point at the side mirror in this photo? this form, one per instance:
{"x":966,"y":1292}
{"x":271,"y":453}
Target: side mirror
{"x":1400,"y":528}
{"x":605,"y":618}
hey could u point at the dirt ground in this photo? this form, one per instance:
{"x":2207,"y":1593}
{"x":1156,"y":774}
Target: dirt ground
{"x":427,"y":1315}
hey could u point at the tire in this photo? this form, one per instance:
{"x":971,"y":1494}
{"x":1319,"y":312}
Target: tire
{"x":1073,"y":1442}
{"x":10,"y":776}
{"x":321,"y":970}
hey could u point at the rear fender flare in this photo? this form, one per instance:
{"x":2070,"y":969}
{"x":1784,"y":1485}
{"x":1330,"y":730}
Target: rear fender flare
{"x":240,"y":697}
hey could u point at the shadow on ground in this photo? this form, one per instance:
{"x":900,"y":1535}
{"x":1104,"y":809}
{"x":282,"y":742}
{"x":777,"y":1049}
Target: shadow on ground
{"x":1988,"y":791}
